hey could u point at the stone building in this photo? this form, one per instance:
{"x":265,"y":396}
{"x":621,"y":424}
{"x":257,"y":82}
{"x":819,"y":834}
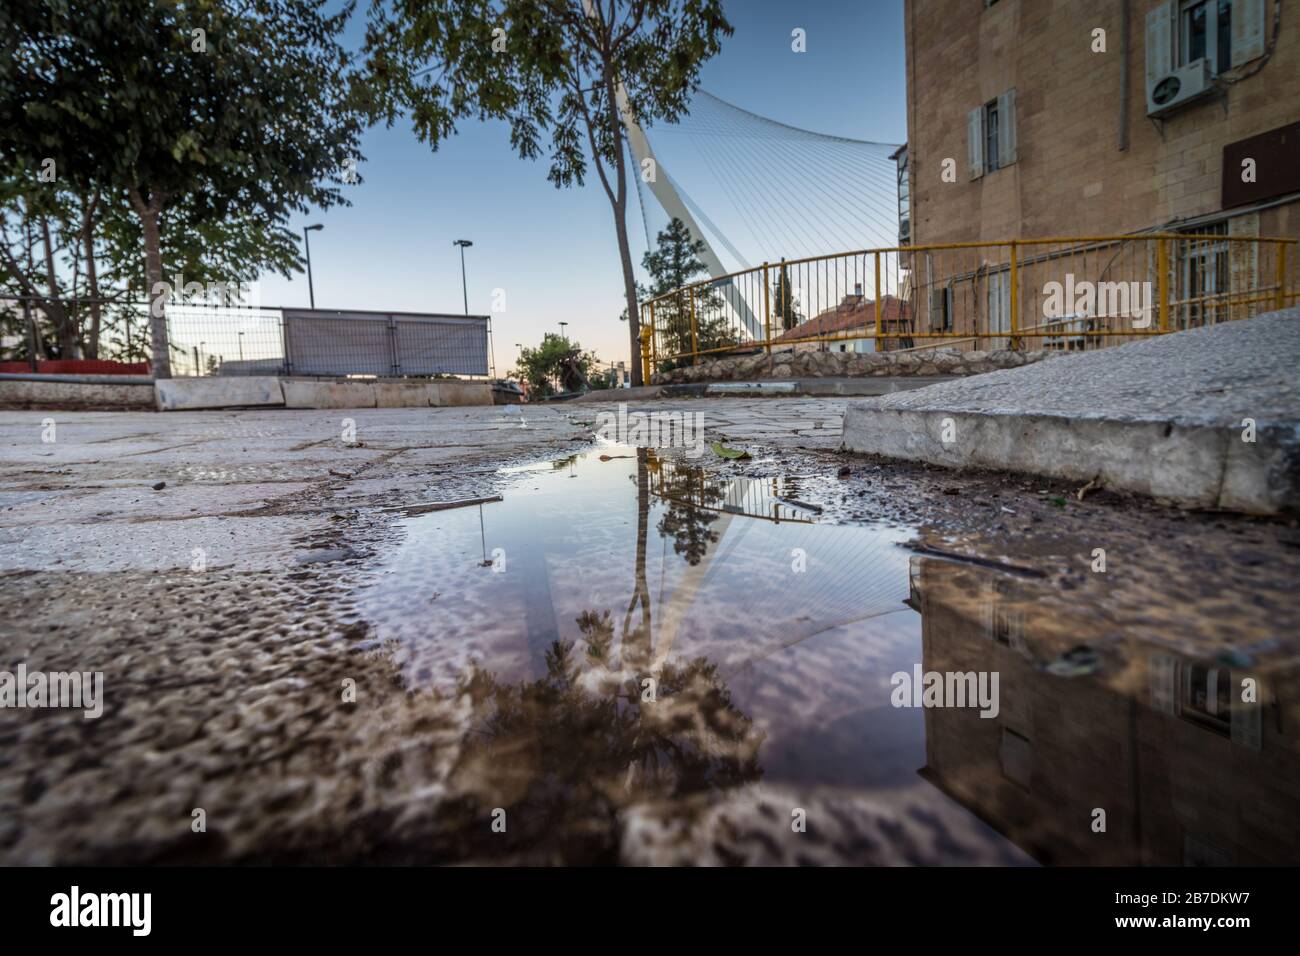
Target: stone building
{"x":1052,"y":118}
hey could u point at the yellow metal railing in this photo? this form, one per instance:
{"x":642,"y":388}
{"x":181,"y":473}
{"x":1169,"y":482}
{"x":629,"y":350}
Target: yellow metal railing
{"x":1057,"y":293}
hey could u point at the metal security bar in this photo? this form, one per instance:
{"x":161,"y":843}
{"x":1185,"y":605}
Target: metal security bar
{"x":1058,"y":293}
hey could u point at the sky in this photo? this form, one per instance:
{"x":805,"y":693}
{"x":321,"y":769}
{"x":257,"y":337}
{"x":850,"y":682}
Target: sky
{"x":551,"y":252}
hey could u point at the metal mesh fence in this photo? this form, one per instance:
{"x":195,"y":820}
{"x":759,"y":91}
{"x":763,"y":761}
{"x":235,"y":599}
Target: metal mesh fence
{"x":241,"y":340}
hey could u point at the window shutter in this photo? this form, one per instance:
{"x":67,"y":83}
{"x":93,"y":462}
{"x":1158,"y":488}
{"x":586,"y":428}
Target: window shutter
{"x":1007,"y":128}
{"x":1246,"y":729}
{"x":975,"y":141}
{"x":1160,"y":44}
{"x":1161,"y":669}
{"x":1247,"y":30}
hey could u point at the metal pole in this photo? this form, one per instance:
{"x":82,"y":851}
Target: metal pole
{"x":311,"y":292}
{"x":767,"y":309}
{"x":1015,"y":296}
{"x":1281,"y":275}
{"x":695,"y":342}
{"x":31,"y":333}
{"x":875,"y":343}
{"x":1162,"y":281}
{"x":647,"y":337}
{"x":464,"y":289}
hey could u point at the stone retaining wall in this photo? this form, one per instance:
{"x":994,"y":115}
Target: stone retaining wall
{"x":848,"y":364}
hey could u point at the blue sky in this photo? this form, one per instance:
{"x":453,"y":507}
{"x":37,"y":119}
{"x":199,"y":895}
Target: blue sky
{"x":553,"y":252}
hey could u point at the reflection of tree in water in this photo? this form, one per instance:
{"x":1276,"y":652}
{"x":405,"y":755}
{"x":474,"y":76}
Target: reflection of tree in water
{"x":684,"y":491}
{"x":564,"y":753}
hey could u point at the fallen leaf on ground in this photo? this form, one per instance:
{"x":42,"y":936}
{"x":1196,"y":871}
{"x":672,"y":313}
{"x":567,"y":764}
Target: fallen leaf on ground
{"x":723,"y":451}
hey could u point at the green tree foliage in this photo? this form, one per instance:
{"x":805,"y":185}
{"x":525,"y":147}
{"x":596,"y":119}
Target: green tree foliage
{"x":76,"y":259}
{"x":541,"y":367}
{"x":557,"y":69}
{"x":784,"y":305}
{"x":674,"y":263}
{"x":192,"y":115}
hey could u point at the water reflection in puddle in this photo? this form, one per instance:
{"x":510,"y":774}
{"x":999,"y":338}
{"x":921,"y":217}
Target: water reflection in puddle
{"x":652,"y":666}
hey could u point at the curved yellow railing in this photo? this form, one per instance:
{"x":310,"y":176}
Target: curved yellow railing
{"x":1064,"y":293}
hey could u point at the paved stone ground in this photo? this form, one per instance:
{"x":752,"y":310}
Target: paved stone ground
{"x":1165,"y":416}
{"x":229,"y":702}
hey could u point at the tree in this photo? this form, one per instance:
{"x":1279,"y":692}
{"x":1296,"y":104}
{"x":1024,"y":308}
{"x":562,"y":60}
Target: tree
{"x":541,"y":367}
{"x":249,"y":111}
{"x":673,"y":264}
{"x":76,"y":259}
{"x":785,"y":307}
{"x":563,"y":68}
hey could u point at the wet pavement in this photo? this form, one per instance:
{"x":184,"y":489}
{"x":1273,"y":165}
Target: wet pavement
{"x":620,"y":654}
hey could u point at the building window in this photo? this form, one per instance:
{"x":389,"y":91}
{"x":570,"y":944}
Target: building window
{"x":1205,"y":32}
{"x":1200,"y":280}
{"x":991,"y":135}
{"x":999,"y":308}
{"x":1207,"y":697}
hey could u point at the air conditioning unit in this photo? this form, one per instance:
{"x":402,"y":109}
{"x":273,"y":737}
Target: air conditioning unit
{"x":1172,"y":90}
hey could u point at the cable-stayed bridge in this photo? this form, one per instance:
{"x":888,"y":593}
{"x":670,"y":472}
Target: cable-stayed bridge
{"x":757,"y":190}
{"x":801,"y":234}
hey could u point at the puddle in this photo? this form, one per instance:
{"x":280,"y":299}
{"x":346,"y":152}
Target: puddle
{"x":652,"y":666}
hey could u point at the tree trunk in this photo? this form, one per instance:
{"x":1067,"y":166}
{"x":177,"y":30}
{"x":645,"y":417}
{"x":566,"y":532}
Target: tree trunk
{"x":629,"y":290}
{"x":92,"y":277}
{"x":55,"y":309}
{"x":620,"y":215}
{"x":148,"y":212}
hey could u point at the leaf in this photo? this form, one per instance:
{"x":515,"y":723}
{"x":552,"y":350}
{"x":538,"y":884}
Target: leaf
{"x":723,"y":451}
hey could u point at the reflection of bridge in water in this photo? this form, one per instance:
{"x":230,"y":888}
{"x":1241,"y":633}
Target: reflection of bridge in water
{"x":772,"y":499}
{"x":801,"y":579}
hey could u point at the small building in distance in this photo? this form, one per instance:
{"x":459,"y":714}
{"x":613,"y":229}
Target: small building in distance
{"x":854,"y":314}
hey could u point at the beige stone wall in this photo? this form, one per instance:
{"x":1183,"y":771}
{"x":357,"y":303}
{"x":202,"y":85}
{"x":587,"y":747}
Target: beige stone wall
{"x":1070,"y":177}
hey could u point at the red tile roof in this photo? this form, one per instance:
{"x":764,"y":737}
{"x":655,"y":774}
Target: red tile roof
{"x":852,"y":313}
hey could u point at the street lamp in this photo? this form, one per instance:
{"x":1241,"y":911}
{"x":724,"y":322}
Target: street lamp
{"x":307,"y":242}
{"x":562,"y":332}
{"x":464,"y":244}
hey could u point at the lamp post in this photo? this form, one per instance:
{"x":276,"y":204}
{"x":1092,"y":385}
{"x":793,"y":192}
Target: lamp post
{"x":311,"y":292}
{"x":562,"y":332}
{"x":464,"y":289}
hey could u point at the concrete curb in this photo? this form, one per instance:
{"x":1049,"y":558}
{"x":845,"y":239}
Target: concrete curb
{"x":33,"y":392}
{"x":1204,"y":466}
{"x":187,"y":394}
{"x":312,"y":393}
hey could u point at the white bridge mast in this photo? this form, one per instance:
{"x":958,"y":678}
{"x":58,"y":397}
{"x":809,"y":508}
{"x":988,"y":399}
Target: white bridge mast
{"x":672,"y":204}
